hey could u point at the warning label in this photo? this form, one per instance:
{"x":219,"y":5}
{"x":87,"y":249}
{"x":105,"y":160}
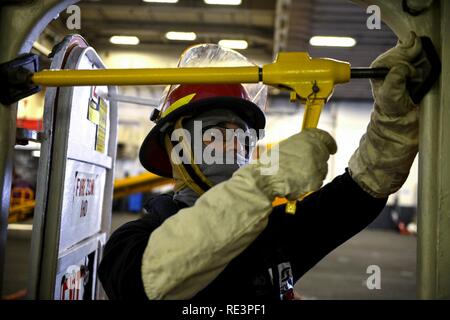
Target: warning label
{"x":76,"y":283}
{"x":82,"y":207}
{"x":93,"y":114}
{"x":98,"y":115}
{"x":101,"y":128}
{"x":84,"y":193}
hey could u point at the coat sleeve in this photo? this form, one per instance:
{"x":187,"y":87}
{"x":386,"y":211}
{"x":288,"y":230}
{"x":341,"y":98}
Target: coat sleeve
{"x":325,"y":220}
{"x":190,"y":249}
{"x":120,"y":269}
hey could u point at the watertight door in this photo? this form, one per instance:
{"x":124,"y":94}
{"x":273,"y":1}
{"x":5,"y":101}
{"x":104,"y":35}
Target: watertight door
{"x":75,"y":182}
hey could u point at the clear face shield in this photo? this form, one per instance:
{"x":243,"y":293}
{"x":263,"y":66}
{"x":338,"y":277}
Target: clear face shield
{"x":222,"y":130}
{"x":232,"y":120}
{"x":237,"y":142}
{"x":225,"y":137}
{"x":213,"y":55}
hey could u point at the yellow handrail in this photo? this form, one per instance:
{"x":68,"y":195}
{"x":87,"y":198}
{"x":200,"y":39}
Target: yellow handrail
{"x":149,"y":76}
{"x":144,"y":182}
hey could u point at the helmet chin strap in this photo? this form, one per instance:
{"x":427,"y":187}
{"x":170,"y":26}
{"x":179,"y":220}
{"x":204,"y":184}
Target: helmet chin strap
{"x":215,"y":172}
{"x":189,"y":173}
{"x":198,"y":178}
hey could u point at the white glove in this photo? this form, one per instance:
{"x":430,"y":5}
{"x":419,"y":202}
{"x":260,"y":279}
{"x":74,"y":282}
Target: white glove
{"x":191,"y":248}
{"x":386,"y":152}
{"x":302,"y":164}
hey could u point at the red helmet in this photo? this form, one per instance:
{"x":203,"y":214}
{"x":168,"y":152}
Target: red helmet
{"x":246,"y":100}
{"x":190,"y":100}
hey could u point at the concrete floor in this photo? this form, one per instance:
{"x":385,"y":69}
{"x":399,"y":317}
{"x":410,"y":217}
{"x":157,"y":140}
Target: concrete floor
{"x":341,"y":275}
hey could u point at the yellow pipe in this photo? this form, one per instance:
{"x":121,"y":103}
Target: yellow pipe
{"x":291,"y":70}
{"x":313,"y":110}
{"x":144,"y":182}
{"x":134,"y":180}
{"x":24,"y":207}
{"x":156,"y":76}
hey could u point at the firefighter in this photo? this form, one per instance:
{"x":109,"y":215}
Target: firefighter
{"x":218,"y":236}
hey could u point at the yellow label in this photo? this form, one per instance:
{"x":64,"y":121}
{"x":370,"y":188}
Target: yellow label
{"x":101,"y":128}
{"x":93,"y":114}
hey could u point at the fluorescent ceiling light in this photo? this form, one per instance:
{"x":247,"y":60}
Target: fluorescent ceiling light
{"x":187,"y":36}
{"x":161,"y":1}
{"x":129,"y":40}
{"x":234,"y":44}
{"x":321,"y":41}
{"x":224,"y":2}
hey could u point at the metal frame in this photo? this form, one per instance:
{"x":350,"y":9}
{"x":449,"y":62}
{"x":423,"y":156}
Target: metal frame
{"x":58,"y":154}
{"x":26,"y":21}
{"x":433,"y":246}
{"x":51,"y":93}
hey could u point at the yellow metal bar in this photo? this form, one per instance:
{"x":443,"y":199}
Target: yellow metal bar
{"x":313,"y":109}
{"x":141,"y":183}
{"x":156,"y":76}
{"x":20,"y":211}
{"x":25,"y":207}
{"x":133,"y":180}
{"x":291,"y":70}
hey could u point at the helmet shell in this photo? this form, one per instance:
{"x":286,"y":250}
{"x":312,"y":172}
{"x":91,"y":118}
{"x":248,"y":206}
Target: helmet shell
{"x":246,"y":100}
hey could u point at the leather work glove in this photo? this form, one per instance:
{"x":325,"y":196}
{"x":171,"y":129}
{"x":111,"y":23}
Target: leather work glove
{"x":191,"y":248}
{"x":387,"y":150}
{"x":302,"y":164}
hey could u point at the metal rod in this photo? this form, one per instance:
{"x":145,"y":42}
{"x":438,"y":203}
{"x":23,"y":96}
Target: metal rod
{"x":161,"y":76}
{"x":364,"y":73}
{"x":131,"y":99}
{"x":158,"y":76}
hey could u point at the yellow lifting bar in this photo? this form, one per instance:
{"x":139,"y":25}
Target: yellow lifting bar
{"x":148,"y":76}
{"x":293,"y":70}
{"x":311,"y":80}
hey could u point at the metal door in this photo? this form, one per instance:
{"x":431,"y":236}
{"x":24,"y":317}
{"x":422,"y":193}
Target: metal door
{"x":75,"y":182}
